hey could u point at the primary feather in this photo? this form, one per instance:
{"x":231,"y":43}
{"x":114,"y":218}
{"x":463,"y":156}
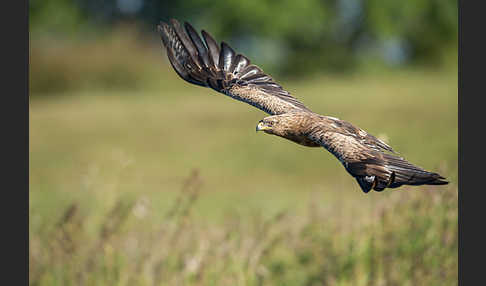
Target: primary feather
{"x":223,"y":70}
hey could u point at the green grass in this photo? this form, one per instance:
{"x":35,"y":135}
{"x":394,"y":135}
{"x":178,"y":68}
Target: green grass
{"x":120,"y":159}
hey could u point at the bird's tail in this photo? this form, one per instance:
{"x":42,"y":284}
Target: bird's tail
{"x":394,"y":172}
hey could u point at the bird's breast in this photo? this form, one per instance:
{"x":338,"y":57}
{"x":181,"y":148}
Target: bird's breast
{"x":301,"y":140}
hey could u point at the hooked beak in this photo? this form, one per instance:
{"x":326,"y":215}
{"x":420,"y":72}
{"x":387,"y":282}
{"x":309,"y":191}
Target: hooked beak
{"x":262,"y":127}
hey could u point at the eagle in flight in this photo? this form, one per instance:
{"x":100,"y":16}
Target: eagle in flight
{"x":368,"y":159}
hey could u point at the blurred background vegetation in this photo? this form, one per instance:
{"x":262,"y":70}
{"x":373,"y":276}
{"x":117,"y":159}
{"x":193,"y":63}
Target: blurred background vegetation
{"x":288,"y":38}
{"x":138,"y":178}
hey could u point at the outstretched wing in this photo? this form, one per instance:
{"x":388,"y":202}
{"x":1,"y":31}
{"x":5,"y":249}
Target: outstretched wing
{"x":221,"y":69}
{"x":365,"y":158}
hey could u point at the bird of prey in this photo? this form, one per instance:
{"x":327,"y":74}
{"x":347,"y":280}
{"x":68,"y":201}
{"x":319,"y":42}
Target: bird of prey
{"x":201,"y":61}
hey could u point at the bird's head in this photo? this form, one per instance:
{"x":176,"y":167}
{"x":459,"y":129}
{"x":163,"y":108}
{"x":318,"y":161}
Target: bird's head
{"x":265,"y":126}
{"x":293,"y":126}
{"x":281,"y":125}
{"x":270,"y":125}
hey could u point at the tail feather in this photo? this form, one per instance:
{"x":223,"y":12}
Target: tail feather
{"x":408,"y":174}
{"x":392,"y":172}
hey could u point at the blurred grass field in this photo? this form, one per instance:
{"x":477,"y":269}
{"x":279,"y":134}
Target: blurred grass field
{"x":108,"y":168}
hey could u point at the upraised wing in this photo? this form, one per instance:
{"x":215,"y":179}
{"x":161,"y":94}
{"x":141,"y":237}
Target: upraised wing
{"x":221,"y":69}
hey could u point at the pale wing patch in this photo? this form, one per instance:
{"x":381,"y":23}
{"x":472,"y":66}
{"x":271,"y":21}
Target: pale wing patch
{"x":334,"y":125}
{"x":260,"y":99}
{"x":333,"y":118}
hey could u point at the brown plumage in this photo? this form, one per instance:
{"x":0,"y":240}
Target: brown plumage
{"x":369,"y":160}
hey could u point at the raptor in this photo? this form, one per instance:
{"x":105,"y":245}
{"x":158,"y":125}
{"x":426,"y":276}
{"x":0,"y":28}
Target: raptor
{"x":201,"y":61}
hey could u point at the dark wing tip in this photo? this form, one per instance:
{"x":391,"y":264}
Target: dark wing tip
{"x":226,"y":57}
{"x":181,"y":51}
{"x":213,"y":48}
{"x":187,"y":24}
{"x":159,"y":26}
{"x":190,"y":29}
{"x":163,"y":29}
{"x":439,"y":180}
